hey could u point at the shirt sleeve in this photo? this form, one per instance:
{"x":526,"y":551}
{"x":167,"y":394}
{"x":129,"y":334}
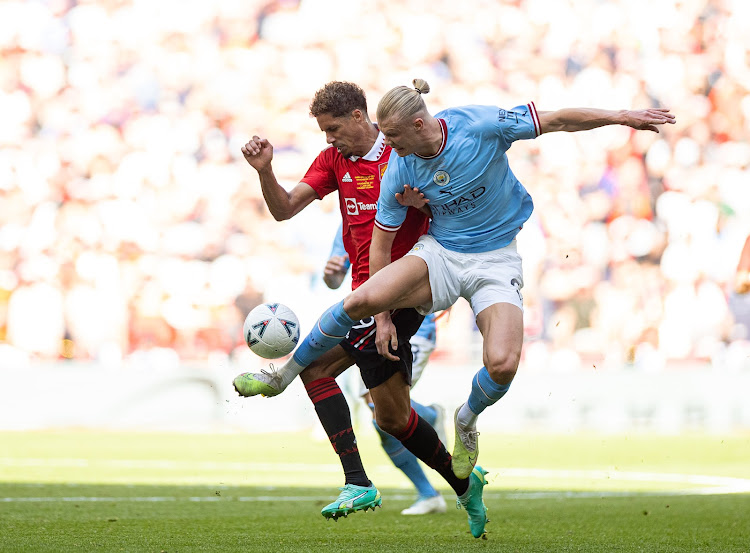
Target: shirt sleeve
{"x":391,"y":214}
{"x":337,"y":248}
{"x":519,"y":123}
{"x":320,"y":176}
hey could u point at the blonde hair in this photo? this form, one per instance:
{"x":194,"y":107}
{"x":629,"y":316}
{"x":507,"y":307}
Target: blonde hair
{"x":402,"y":101}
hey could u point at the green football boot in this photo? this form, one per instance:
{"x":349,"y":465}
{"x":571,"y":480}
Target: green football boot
{"x":352,"y":499}
{"x":472,"y":501}
{"x":265,"y":383}
{"x":465,"y":449}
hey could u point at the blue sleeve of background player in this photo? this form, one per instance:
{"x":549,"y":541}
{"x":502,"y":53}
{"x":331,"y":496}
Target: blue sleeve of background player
{"x":337,"y":248}
{"x":427,"y":330}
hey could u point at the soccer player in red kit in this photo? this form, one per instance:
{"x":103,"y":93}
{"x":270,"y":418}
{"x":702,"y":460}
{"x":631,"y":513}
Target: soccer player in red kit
{"x":353,"y":165}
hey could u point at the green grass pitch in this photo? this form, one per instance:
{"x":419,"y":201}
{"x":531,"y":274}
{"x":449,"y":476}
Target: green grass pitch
{"x":160,"y":492}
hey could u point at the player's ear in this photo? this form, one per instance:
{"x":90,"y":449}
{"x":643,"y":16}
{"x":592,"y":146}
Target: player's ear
{"x":357,"y":115}
{"x":418,"y":124}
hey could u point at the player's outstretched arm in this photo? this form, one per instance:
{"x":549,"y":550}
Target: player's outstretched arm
{"x":583,"y":119}
{"x":283,"y":205}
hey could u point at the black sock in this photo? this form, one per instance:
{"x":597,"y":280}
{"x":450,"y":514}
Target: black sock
{"x":421,"y":439}
{"x":333,"y":412}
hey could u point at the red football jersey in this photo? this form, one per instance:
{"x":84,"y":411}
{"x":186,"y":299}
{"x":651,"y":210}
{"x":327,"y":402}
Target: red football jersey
{"x":358,"y":181}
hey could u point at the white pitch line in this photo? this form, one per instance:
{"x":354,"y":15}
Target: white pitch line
{"x":167,"y":464}
{"x":311,"y":498}
{"x":699,"y":483}
{"x":159,"y":499}
{"x":714,"y":484}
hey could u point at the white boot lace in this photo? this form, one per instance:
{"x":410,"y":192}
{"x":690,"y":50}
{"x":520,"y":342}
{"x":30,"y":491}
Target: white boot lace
{"x":272,"y":377}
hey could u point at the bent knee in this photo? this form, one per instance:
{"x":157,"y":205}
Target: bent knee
{"x":391,"y":424}
{"x":360,"y":304}
{"x":329,"y":365}
{"x":316,"y":371}
{"x":503,"y":367}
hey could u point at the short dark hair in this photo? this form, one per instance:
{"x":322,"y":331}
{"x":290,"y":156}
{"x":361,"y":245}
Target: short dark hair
{"x":339,"y":99}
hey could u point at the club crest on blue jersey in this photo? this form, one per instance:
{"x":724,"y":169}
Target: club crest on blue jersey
{"x":441,"y":178}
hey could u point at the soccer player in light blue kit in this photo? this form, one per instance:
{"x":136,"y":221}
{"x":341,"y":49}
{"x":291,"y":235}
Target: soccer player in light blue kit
{"x":457,"y":160}
{"x":423,"y":343}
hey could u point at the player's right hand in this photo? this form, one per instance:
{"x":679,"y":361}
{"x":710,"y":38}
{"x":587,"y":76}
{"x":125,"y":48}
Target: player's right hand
{"x":385,"y":336}
{"x":258,"y":152}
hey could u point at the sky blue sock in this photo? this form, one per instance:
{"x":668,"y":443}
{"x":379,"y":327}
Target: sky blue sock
{"x":485,"y":391}
{"x":407,"y":462}
{"x":425,"y":412}
{"x":327,"y":333}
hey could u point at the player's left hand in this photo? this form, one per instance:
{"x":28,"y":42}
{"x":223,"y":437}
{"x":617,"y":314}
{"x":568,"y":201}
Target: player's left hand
{"x":385,"y":336}
{"x":412,"y":197}
{"x":335,"y":271}
{"x":648,"y":119}
{"x":336,"y":264}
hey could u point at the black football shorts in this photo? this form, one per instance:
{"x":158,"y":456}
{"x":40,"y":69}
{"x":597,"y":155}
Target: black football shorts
{"x":374,"y":368}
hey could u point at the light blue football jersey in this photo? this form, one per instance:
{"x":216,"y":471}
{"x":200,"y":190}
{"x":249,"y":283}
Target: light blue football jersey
{"x":477,"y":202}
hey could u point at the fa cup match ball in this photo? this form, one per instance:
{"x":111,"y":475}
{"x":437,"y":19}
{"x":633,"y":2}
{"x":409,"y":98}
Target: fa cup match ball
{"x":271,"y":330}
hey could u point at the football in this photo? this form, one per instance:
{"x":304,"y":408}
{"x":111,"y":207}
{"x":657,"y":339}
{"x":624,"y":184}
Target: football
{"x":271,"y":330}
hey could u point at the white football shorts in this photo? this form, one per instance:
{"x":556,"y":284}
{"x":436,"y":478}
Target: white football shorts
{"x":421,"y":349}
{"x":483,"y":279}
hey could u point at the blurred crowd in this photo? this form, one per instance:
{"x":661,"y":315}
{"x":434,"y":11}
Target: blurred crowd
{"x":132,"y":230}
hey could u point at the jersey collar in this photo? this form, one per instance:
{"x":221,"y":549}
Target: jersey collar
{"x":444,"y":131}
{"x":375,"y":152}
